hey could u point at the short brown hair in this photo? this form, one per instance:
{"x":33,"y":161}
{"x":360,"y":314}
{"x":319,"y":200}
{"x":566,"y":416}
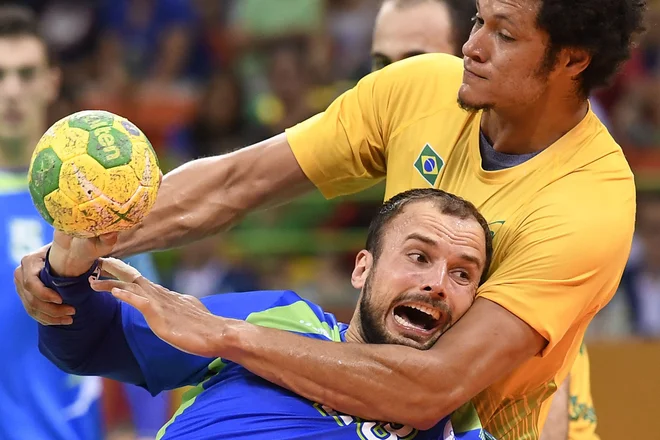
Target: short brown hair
{"x":19,"y":21}
{"x":448,"y":204}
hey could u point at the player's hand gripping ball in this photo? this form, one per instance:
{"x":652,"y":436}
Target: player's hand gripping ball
{"x":93,"y":172}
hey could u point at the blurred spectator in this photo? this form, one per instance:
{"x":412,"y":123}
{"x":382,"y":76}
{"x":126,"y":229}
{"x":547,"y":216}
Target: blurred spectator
{"x":288,"y":101}
{"x":259,"y":25}
{"x":218,"y":126}
{"x":201,"y":272}
{"x":146,"y":40}
{"x":638,"y":115}
{"x":350,"y":36}
{"x":647,"y":280}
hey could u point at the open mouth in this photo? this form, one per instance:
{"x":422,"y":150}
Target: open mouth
{"x":418,"y":317}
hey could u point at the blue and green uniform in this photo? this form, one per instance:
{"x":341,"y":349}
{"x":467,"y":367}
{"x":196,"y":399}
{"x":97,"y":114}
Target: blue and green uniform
{"x":37,"y":400}
{"x":112,"y":339}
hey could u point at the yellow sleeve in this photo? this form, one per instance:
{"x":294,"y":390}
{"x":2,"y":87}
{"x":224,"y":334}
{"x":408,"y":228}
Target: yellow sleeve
{"x":565,"y":261}
{"x":344,"y":149}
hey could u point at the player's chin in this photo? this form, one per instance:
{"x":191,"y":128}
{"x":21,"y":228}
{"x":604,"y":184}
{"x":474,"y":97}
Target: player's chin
{"x":470,"y":99}
{"x":413,"y":338}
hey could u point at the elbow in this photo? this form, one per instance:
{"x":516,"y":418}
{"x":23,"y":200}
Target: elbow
{"x":429,"y":408}
{"x":425,"y":420}
{"x":69,"y":365}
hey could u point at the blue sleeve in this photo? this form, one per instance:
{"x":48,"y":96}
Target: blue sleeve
{"x":164,"y":366}
{"x":94,"y":345}
{"x":112,"y":339}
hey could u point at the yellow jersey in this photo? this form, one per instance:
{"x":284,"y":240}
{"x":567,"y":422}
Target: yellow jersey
{"x":581,"y":414}
{"x":562,"y":221}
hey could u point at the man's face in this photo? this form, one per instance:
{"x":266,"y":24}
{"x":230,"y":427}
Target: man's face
{"x":27,"y":86}
{"x":424,"y":280}
{"x":504,"y":57}
{"x":402,"y":32}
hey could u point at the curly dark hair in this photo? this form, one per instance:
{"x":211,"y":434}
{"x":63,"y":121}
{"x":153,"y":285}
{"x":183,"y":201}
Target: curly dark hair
{"x":605,"y":28}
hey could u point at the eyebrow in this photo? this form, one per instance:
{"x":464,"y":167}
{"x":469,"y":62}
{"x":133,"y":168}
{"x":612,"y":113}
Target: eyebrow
{"x":466,"y":257}
{"x":472,"y":259}
{"x":422,"y":238}
{"x":504,"y":17}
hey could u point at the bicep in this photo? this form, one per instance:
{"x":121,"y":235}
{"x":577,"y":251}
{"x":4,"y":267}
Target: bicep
{"x":492,"y":341}
{"x":272,"y":172}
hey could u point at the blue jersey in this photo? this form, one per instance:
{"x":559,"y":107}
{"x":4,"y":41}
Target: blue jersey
{"x":230,"y":402}
{"x":37,"y":400}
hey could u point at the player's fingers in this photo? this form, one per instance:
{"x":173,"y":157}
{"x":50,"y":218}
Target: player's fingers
{"x":27,"y":277}
{"x":106,"y":242}
{"x":139,"y":302}
{"x":34,"y":305}
{"x":108,"y":285}
{"x":49,"y":320}
{"x":120,"y":270}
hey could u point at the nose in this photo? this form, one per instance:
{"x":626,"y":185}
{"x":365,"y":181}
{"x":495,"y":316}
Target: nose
{"x":10,"y":85}
{"x":474,"y":47}
{"x":435,"y":284}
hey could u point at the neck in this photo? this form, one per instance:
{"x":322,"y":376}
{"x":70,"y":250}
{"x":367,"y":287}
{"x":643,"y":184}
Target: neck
{"x":16,"y":152}
{"x":532,"y":128}
{"x":354,"y":332}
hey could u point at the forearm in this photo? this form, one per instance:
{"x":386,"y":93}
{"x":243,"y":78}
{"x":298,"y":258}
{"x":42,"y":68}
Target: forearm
{"x":208,"y":195}
{"x":358,"y":379}
{"x":94,"y":344}
{"x":386,"y":382}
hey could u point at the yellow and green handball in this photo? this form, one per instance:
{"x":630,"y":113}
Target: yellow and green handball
{"x":93,"y":172}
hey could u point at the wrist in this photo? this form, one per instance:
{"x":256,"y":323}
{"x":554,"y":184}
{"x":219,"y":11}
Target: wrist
{"x":64,"y":266}
{"x":59,"y":280}
{"x":231,"y":341}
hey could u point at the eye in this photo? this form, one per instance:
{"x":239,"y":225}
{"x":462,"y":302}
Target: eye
{"x":27,"y":73}
{"x":478,"y":21}
{"x":505,"y":37}
{"x":418,"y":257}
{"x":463,"y":276}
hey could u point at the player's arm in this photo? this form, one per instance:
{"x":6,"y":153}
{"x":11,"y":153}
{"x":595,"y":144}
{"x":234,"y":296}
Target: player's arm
{"x":538,"y":294}
{"x":208,"y":195}
{"x":543,"y":289}
{"x":556,"y":425}
{"x":341,"y":151}
{"x":106,"y":338}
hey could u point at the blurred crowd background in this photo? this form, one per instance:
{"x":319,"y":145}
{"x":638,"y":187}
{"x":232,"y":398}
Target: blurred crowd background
{"x":205,"y":77}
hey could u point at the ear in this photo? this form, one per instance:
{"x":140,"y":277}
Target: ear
{"x":363,"y":265}
{"x":575,"y":61}
{"x":53,"y":83}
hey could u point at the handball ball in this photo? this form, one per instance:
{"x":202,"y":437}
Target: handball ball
{"x":93,"y":172}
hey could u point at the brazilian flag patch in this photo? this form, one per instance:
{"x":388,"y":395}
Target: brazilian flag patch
{"x":428,"y":164}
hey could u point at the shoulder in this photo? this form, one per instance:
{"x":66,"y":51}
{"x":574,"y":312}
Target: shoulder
{"x":434,"y":76}
{"x":416,"y":88}
{"x":280,"y":309}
